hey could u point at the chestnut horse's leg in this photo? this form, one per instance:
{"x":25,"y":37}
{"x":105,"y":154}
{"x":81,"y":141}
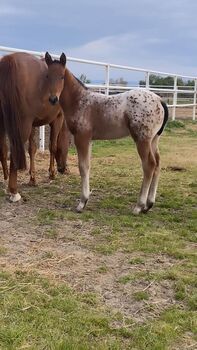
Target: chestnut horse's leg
{"x":63,"y":143}
{"x":148,"y":165}
{"x":4,"y":156}
{"x":155,"y":179}
{"x":3,"y":148}
{"x":12,"y":185}
{"x":32,"y":151}
{"x":83,"y":145}
{"x":55,"y":129}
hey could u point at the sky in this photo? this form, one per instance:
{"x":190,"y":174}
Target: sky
{"x":151,"y":34}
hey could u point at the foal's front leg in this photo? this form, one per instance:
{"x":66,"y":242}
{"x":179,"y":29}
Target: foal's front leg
{"x":84,"y":152}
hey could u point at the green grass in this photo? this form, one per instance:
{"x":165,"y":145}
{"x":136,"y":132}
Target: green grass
{"x":39,"y":314}
{"x":142,"y":256}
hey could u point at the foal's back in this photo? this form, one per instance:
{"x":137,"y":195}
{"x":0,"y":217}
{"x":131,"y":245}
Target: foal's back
{"x":137,"y":112}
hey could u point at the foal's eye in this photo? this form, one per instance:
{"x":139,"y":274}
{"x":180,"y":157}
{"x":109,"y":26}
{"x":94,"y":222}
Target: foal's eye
{"x":62,"y":77}
{"x":47,"y":76}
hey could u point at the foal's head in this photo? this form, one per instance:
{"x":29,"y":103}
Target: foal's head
{"x":55,"y":77}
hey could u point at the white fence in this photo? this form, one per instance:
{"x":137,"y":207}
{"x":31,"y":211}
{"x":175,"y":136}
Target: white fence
{"x":108,"y":88}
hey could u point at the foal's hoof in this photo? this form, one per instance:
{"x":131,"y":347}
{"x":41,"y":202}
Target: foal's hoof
{"x":137,"y":210}
{"x":81,"y":206}
{"x":148,"y":206}
{"x":15,"y":197}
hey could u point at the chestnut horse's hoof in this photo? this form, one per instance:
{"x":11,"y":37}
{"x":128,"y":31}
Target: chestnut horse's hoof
{"x":15,"y":197}
{"x":5,"y":187}
{"x":63,"y":171}
{"x":32,"y":183}
{"x":66,"y":171}
{"x":51,"y":176}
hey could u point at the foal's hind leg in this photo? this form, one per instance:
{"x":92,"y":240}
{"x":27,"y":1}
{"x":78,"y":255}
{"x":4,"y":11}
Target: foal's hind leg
{"x":84,"y":151}
{"x":155,"y":179}
{"x":148,"y":165}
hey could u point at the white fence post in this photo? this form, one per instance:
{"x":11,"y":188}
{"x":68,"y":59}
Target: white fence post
{"x":107,"y":79}
{"x":42,"y":138}
{"x":174,"y":99}
{"x":194,"y":107}
{"x":147,"y":80}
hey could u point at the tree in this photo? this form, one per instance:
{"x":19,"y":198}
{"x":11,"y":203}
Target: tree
{"x":118,"y":81}
{"x":156,"y":80}
{"x":84,"y":79}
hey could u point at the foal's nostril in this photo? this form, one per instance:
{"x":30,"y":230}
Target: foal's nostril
{"x":53,"y":100}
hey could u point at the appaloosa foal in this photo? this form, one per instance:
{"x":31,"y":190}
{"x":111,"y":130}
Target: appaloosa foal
{"x":93,"y":116}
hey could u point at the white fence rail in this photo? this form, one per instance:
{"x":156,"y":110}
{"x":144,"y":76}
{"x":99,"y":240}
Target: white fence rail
{"x":108,"y":88}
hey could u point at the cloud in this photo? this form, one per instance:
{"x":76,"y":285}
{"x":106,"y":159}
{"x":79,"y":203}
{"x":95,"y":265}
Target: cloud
{"x":147,"y":33}
{"x":11,"y":10}
{"x":138,"y":49}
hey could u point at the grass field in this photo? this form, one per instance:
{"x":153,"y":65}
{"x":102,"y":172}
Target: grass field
{"x":103,"y":279}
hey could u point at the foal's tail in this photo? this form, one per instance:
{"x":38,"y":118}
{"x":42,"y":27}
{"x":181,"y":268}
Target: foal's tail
{"x":10,"y":100}
{"x":166,"y":114}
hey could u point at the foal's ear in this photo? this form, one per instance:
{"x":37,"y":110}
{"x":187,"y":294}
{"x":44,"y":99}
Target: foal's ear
{"x":63,"y":59}
{"x":48,"y":59}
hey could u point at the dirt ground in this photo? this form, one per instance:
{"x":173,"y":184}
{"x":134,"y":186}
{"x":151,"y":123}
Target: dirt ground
{"x":66,"y":258}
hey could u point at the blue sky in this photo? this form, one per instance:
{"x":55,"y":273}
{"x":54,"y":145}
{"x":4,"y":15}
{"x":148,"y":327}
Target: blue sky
{"x":152,"y":34}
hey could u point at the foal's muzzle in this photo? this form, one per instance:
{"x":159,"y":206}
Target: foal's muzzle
{"x":53,"y":100}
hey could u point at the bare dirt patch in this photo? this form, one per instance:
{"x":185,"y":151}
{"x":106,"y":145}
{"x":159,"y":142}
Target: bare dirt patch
{"x":66,"y":257}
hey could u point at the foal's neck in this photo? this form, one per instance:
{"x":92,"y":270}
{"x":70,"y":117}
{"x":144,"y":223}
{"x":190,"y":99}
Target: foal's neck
{"x":72,"y":92}
{"x":73,"y":84}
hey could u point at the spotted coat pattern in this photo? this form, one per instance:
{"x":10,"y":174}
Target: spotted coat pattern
{"x":137,"y":112}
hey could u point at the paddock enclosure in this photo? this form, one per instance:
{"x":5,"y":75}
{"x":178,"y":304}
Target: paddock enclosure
{"x":181,"y":100}
{"x":103,"y":279}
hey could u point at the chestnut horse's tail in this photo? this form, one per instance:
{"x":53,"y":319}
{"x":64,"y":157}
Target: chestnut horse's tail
{"x":11,"y":105}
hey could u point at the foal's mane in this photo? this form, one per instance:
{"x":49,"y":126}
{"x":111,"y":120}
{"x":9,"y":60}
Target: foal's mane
{"x":80,"y":82}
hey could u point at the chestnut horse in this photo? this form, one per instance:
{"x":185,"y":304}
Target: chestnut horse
{"x":29,"y":96}
{"x":94,"y":116}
